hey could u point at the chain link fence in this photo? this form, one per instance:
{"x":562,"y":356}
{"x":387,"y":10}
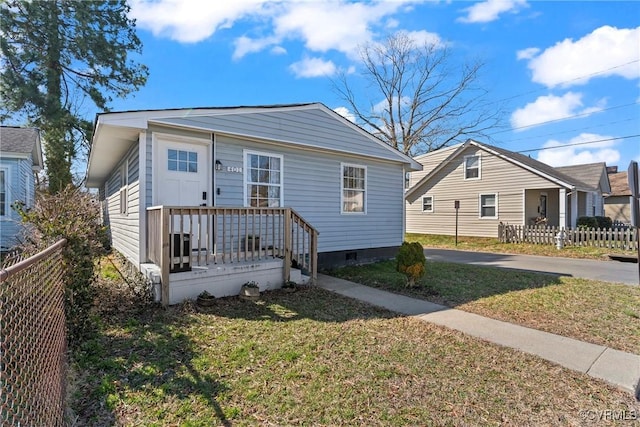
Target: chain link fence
{"x":33,"y":341}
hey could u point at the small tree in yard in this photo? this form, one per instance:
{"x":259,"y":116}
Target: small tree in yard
{"x":75,"y":216}
{"x":411,"y":262}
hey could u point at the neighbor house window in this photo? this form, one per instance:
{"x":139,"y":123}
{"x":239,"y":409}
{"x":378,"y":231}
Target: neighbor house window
{"x":3,"y":192}
{"x":472,"y":167}
{"x":354,"y":188}
{"x":182,"y":161}
{"x":263,"y":180}
{"x":488,"y":206}
{"x":427,"y":204}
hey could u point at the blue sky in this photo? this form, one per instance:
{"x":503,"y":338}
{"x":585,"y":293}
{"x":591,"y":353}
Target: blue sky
{"x":568,"y":72}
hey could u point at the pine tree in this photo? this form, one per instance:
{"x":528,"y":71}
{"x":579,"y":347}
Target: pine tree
{"x":55,"y":55}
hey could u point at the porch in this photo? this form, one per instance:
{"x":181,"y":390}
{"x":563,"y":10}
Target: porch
{"x":554,"y":207}
{"x":218,"y":249}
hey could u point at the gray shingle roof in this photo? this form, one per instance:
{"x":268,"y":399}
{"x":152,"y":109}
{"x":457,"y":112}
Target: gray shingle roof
{"x":18,"y":140}
{"x":590,"y":173}
{"x":557,"y":173}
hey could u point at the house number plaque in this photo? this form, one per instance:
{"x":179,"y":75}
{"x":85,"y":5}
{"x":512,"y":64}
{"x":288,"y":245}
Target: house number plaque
{"x":235,"y":169}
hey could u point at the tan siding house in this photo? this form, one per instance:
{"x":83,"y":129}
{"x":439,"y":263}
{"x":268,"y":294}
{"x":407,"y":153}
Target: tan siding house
{"x":618,"y":205}
{"x":492,"y":185}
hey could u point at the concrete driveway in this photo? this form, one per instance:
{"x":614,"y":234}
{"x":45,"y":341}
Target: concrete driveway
{"x":608,"y":271}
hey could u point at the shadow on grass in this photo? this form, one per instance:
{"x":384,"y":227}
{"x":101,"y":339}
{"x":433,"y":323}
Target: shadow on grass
{"x":159,"y":359}
{"x":449,"y":284}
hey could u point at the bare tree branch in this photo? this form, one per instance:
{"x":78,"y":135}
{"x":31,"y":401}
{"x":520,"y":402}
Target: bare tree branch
{"x":417,"y":98}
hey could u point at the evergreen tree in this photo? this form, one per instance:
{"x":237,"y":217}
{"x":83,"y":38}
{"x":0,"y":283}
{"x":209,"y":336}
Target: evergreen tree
{"x":55,"y":55}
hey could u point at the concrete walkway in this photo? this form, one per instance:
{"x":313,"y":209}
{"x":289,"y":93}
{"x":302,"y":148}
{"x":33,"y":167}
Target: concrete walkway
{"x":616,"y":367}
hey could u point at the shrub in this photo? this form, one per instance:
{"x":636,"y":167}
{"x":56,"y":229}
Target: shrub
{"x":411,"y":262}
{"x":604,"y":221}
{"x":587,"y":222}
{"x":74,"y":215}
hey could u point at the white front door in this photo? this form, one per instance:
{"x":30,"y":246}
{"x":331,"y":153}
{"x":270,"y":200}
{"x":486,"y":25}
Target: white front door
{"x":182,"y":177}
{"x":182,"y":174}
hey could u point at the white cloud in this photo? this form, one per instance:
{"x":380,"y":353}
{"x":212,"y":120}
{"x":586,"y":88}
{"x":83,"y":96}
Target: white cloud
{"x":422,"y":37}
{"x":191,"y":21}
{"x":278,"y":50}
{"x":313,"y":67}
{"x":245,"y":45}
{"x":489,"y":10}
{"x":344,"y":112}
{"x":580,"y":154}
{"x":527,"y":53}
{"x":551,"y":107}
{"x":603,"y":52}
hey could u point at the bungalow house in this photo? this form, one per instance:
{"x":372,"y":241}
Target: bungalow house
{"x":210,"y":198}
{"x":20,"y":161}
{"x":617,"y":205}
{"x":492,"y":185}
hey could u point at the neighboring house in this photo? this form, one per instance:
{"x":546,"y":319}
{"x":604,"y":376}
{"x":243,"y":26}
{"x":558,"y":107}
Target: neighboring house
{"x":618,"y":205}
{"x":20,"y":161}
{"x":494,"y":185}
{"x":276,"y":184}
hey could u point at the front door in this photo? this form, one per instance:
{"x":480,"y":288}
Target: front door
{"x":182,"y":179}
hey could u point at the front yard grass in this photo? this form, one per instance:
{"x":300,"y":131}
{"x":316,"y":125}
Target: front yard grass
{"x":314,"y":358}
{"x":598,"y":312}
{"x":487,"y":244}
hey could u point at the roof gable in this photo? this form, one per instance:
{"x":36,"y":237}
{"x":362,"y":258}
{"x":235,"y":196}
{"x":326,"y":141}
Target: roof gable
{"x":311,"y":126}
{"x":619,"y":184}
{"x":19,"y":140}
{"x":593,"y":174}
{"x":541,"y":169}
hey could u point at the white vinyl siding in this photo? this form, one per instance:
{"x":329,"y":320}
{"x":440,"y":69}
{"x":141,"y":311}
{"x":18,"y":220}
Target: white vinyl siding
{"x":427,"y":204}
{"x":354,"y":189}
{"x":472,"y":167}
{"x":123,"y":192}
{"x":263,"y":179}
{"x":488,"y":205}
{"x":312,"y":186}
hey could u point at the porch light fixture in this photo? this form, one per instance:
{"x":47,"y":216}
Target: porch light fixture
{"x":218,"y":165}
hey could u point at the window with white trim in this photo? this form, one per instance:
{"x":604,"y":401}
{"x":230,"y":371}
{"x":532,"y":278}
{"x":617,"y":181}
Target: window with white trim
{"x":3,"y":192}
{"x":263,"y":180}
{"x":488,"y":205}
{"x":182,"y":161}
{"x":427,"y":204}
{"x":354,"y":188}
{"x":472,"y":167}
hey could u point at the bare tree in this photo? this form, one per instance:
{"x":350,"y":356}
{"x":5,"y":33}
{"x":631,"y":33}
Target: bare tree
{"x":417,"y":99}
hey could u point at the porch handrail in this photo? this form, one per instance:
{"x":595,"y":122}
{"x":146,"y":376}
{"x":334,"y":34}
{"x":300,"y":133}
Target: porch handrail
{"x":223,"y":235}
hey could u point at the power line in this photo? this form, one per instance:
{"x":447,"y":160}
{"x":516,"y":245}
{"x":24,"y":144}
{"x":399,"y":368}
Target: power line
{"x":580,"y":143}
{"x":566,"y":118}
{"x":575,"y":129}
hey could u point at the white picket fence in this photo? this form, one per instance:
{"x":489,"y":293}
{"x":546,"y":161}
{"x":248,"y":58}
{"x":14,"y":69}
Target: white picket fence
{"x":625,"y":238}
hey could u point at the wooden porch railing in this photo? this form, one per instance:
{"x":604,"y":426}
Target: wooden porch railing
{"x":179,"y":238}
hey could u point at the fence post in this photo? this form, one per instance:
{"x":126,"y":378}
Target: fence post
{"x":165,"y":239}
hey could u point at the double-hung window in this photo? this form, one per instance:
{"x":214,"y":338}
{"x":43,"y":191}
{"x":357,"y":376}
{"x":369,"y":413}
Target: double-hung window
{"x":472,"y":166}
{"x":263,"y":180}
{"x":488,"y":205}
{"x":427,"y":204}
{"x":354,"y":188}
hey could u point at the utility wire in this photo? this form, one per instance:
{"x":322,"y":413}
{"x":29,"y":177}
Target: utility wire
{"x":579,"y":143}
{"x":566,"y":118}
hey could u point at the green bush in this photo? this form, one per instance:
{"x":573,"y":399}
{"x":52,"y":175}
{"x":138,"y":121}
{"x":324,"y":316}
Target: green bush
{"x":74,"y":215}
{"x":604,"y":221}
{"x":411,"y":262}
{"x":587,"y":222}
